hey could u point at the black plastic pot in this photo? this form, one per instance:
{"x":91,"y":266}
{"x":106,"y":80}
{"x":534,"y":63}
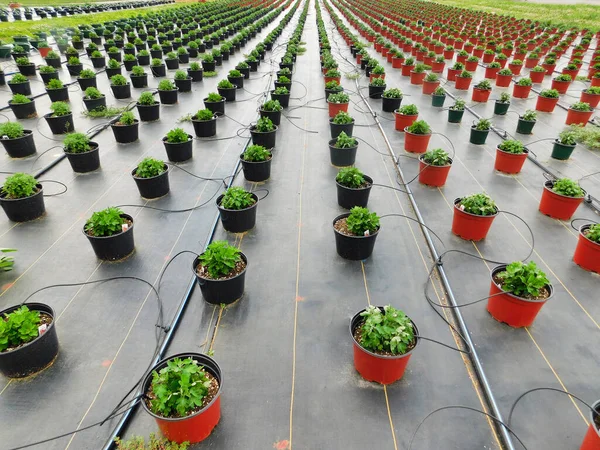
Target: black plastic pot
{"x":228,"y":93}
{"x":219,"y":60}
{"x":217,"y":108}
{"x":74,"y":69}
{"x":60,"y":124}
{"x":153,"y":187}
{"x":562,"y":151}
{"x":95,"y":103}
{"x":129,"y":65}
{"x":140,"y":81}
{"x":265,"y":138}
{"x":390,"y":104}
{"x":351,"y":197}
{"x":46,"y":77}
{"x":455,"y":116}
{"x":112,"y":72}
{"x":478,"y":136}
{"x":256,"y":171}
{"x":342,"y":157}
{"x":336,"y":129}
{"x":125,"y":134}
{"x":224,"y":291}
{"x":156,"y":54}
{"x":237,"y":81}
{"x":20,"y":147}
{"x":184,"y":85}
{"x":184,"y":58}
{"x":195,"y":74}
{"x":115,"y":247}
{"x":253,"y":65}
{"x":168,"y":97}
{"x":245,"y":72}
{"x":98,"y":62}
{"x":143,"y":60}
{"x":172,"y":64}
{"x":23,"y":110}
{"x":159,"y":71}
{"x":58,"y":95}
{"x":85,"y":83}
{"x":501,"y":108}
{"x":24,"y":209}
{"x":208,"y":66}
{"x":121,"y":92}
{"x":28,"y":70}
{"x":525,"y":126}
{"x":20,"y":88}
{"x":85,"y":162}
{"x":284,"y":99}
{"x":205,"y":128}
{"x":149,"y":113}
{"x":181,"y":151}
{"x":356,"y":248}
{"x":376,"y":91}
{"x":36,"y":354}
{"x":275,"y":116}
{"x":238,"y":220}
{"x":53,"y":62}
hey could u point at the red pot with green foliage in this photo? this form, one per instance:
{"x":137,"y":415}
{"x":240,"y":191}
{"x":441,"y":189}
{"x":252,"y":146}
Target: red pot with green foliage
{"x":404,"y":120}
{"x":515,"y":68}
{"x":481,"y":95}
{"x":561,"y":198}
{"x":462,"y":83}
{"x":560,"y":86}
{"x":591,"y":97}
{"x":545,"y":104}
{"x":417,"y":77}
{"x":335,"y":108}
{"x":180,"y":425}
{"x":510,"y":157}
{"x":473,"y":216}
{"x":536,"y":77}
{"x":521,"y":91}
{"x":430,"y":86}
{"x":578,"y":116}
{"x":491,"y":72}
{"x":503,"y":80}
{"x":587,"y":252}
{"x":380,"y":362}
{"x":518,"y":309}
{"x":416,"y":137}
{"x":434,"y":167}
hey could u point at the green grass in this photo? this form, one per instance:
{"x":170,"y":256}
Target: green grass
{"x":581,"y":15}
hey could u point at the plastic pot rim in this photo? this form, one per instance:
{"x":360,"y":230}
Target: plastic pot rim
{"x":126,"y":216}
{"x":457,"y":201}
{"x":366,"y":177}
{"x":502,"y":267}
{"x":434,"y":166}
{"x":165,"y":166}
{"x":40,"y":191}
{"x":194,"y":265}
{"x":343,"y":216}
{"x":548,"y":185}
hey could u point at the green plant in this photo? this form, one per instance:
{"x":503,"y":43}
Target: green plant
{"x":55,"y":83}
{"x":478,"y":204}
{"x":154,"y":443}
{"x":60,"y":109}
{"x":177,"y":135}
{"x":225,"y":84}
{"x":19,"y":99}
{"x":517,"y":62}
{"x":208,"y":58}
{"x":118,"y":80}
{"x":18,"y":79}
{"x":338,"y":98}
{"x":525,"y":82}
{"x":512,"y":146}
{"x":563,"y":77}
{"x":529,"y":115}
{"x":568,"y":187}
{"x":6,"y":262}
{"x":166,"y":85}
{"x":19,"y":185}
{"x":204,"y":114}
{"x":282,"y":90}
{"x":73,"y":61}
{"x":504,"y":97}
{"x":12,"y":130}
{"x":237,"y":198}
{"x":567,"y":137}
{"x":378,"y":70}
{"x":52,"y":55}
{"x":264,"y":125}
{"x":179,"y":388}
{"x":342,"y":118}
{"x":113,"y":64}
{"x":436,"y":157}
{"x":149,"y":167}
{"x":458,"y":66}
{"x":350,"y":177}
{"x":494,"y":65}
{"x":459,"y":105}
{"x":195,"y":66}
{"x":538,"y":69}
{"x":387,"y":331}
{"x":408,"y":110}
{"x":146,"y":98}
{"x":593,"y":233}
{"x":18,"y":328}
{"x":96,"y":54}
{"x":234,"y":73}
{"x":219,"y":259}
{"x":483,"y":125}
{"x":485,"y":85}
{"x":105,"y":223}
{"x":419,"y":127}
{"x":271,"y":105}
{"x":76,"y":143}
{"x":87,"y":73}
{"x":214,"y":97}
{"x":244,"y":65}
{"x":22,"y":61}
{"x":182,"y":51}
{"x":47,"y":69}
{"x":156,"y":62}
{"x":523,"y":280}
{"x":284,"y":80}
{"x":137,"y":71}
{"x":581,"y":106}
{"x":127,"y":118}
{"x":181,"y":75}
{"x":171,"y":55}
{"x":129,"y":57}
{"x":465,"y":74}
{"x":594,"y":90}
{"x":549,"y":93}
{"x":256,"y":153}
{"x":432,"y":77}
{"x":377,"y":82}
{"x":362,"y":222}
{"x":392,"y":93}
{"x":345,"y":141}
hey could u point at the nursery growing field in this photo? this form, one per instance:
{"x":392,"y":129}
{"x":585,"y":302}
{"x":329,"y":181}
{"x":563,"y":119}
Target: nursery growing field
{"x":235,"y":246}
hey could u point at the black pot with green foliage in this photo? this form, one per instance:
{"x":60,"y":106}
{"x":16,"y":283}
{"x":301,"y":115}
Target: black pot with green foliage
{"x":23,"y":88}
{"x":92,"y":104}
{"x":23,"y":110}
{"x":60,"y":124}
{"x":139,"y":81}
{"x":86,"y":161}
{"x":112,"y":72}
{"x":376,"y":91}
{"x":85,"y":83}
{"x":238,"y":220}
{"x":256,"y":171}
{"x":208,"y":66}
{"x":154,"y":186}
{"x":125,"y":134}
{"x":74,"y":69}
{"x":217,"y":107}
{"x":236,"y":81}
{"x":116,"y":246}
{"x":355,"y":248}
{"x":228,"y":93}
{"x":19,"y":147}
{"x":390,"y":104}
{"x":562,"y":151}
{"x":455,"y":115}
{"x":121,"y":91}
{"x":275,"y":116}
{"x":205,"y":128}
{"x":525,"y":126}
{"x":284,"y":99}
{"x":179,"y":151}
{"x":47,"y":76}
{"x":342,"y":156}
{"x":168,"y":97}
{"x":24,"y":209}
{"x":478,"y":137}
{"x":195,"y":74}
{"x":349,"y":197}
{"x":149,"y":113}
{"x":265,"y":138}
{"x":58,"y":95}
{"x":34,"y":355}
{"x":337,"y":128}
{"x":54,"y":62}
{"x":221,"y":291}
{"x":27,"y":69}
{"x":159,"y":71}
{"x":438,"y":102}
{"x":501,"y":108}
{"x":184,"y":85}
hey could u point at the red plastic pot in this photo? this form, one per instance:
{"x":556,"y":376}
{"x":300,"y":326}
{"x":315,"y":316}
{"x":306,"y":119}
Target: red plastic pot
{"x":537,"y":77}
{"x":556,"y":205}
{"x":438,"y":67}
{"x":515,"y":68}
{"x":378,"y":368}
{"x":509,"y":162}
{"x":430,"y":86}
{"x":335,"y":108}
{"x":198,"y":426}
{"x":592,"y":99}
{"x":416,"y":77}
{"x":433,"y":175}
{"x":503,"y":80}
{"x":415,"y":143}
{"x":470,"y":227}
{"x":545,"y":104}
{"x":462,"y":83}
{"x":397,"y":62}
{"x":591,"y":441}
{"x":515,"y":311}
{"x":549,"y":68}
{"x":521,"y":91}
{"x":471,"y":66}
{"x":44,"y":51}
{"x":452,"y":74}
{"x":481,"y":95}
{"x":578,"y":117}
{"x":403,"y":121}
{"x":587,"y":254}
{"x":491,"y":72}
{"x":561,"y":86}
{"x":406,"y":70}
{"x":328,"y":79}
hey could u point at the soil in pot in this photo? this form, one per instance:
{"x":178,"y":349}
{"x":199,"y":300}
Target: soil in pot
{"x":224,"y":290}
{"x":24,"y":209}
{"x":116,"y":246}
{"x":350,"y":246}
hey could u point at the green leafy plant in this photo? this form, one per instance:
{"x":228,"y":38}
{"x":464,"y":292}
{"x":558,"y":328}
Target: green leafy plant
{"x":60,"y":109}
{"x":284,"y":80}
{"x":419,"y":127}
{"x":529,"y":115}
{"x":6,"y":262}
{"x":156,"y":62}
{"x":113,"y":64}
{"x":256,"y":153}
{"x":214,"y":97}
{"x":378,"y":70}
{"x":87,"y":73}
{"x":392,"y":93}
{"x":220,"y":259}
{"x":390,"y":331}
{"x":512,"y":146}
{"x":568,"y":187}
{"x":208,"y":58}
{"x":581,"y":106}
{"x":342,"y":118}
{"x":593,"y":233}
{"x":92,"y":93}
{"x":483,"y":125}
{"x":350,"y":177}
{"x":282,"y":90}
{"x":73,"y":61}
{"x":523,"y":280}
{"x":420,"y":68}
{"x":549,"y":93}
{"x":154,"y":443}
{"x":225,"y":84}
{"x":333,"y":86}
{"x":137,"y":71}
{"x":525,"y":82}
{"x":47,"y":69}
{"x":18,"y":328}
{"x":338,"y":98}
{"x":22,"y":61}
{"x":179,"y":388}
{"x":177,"y":135}
{"x":377,"y":82}
{"x":12,"y":130}
{"x":118,"y":80}
{"x":485,"y":85}
{"x":361,"y":221}
{"x":204,"y":114}
{"x":264,"y":125}
{"x":237,"y":198}
{"x":564,"y":77}
{"x":146,"y":98}
{"x":127,"y":118}
{"x":567,"y":137}
{"x":504,"y":97}
{"x":195,"y":66}
{"x":181,"y":75}
{"x":459,"y":105}
{"x":18,"y":79}
{"x":96,"y":54}
{"x":166,"y":85}
{"x":105,"y":223}
{"x":538,"y":69}
{"x":149,"y":168}
{"x":271,"y":105}
{"x":76,"y":143}
{"x":345,"y":141}
{"x":436,"y":157}
{"x":19,"y":185}
{"x":517,"y":62}
{"x":478,"y":204}
{"x":19,"y":99}
{"x":465,"y":74}
{"x":408,"y":110}
{"x":129,"y":57}
{"x":55,"y":83}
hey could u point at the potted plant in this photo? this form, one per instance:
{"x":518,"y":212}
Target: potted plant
{"x":60,"y":119}
{"x":129,"y":61}
{"x":456,"y":111}
{"x":430,"y":83}
{"x":227,"y":90}
{"x":86,"y":79}
{"x":482,"y":91}
{"x":510,"y":156}
{"x":17,"y":141}
{"x":48,"y":73}
{"x":272,"y":110}
{"x":491,"y":71}
{"x":205,"y":123}
{"x":93,"y":99}
{"x":337,"y":102}
{"x":561,"y":83}
{"x":463,"y":81}
{"x":434,"y":166}
{"x":471,"y":63}
{"x":522,"y":88}
{"x":504,"y":78}
{"x":139,"y":77}
{"x":515,"y":67}
{"x":405,"y":116}
{"x":183,"y":55}
{"x":579,"y":113}
{"x":341,"y":122}
{"x":195,"y":71}
{"x":237,"y":208}
{"x":264,"y":133}
{"x":23,"y":107}
{"x":158,"y":68}
{"x":282,"y":95}
{"x":376,"y":88}
{"x":236,"y":78}
{"x":172,"y":61}
{"x":148,"y":108}
{"x":215,"y":103}
{"x":57,"y":91}
{"x":28,"y":340}
{"x":502,"y":104}
{"x":455,"y":70}
{"x":587,"y":252}
{"x":126,"y":128}
{"x":563,"y":146}
{"x":256,"y":163}
{"x":417,"y":75}
{"x":244,"y":68}
{"x":183,"y":81}
{"x":74,"y":66}
{"x":377,"y":72}
{"x":383,"y":341}
{"x":25,"y":66}
{"x":178,"y":145}
{"x":417,"y":136}
{"x":561,"y":198}
{"x":537,"y":74}
{"x":152,"y":178}
{"x":83,"y":155}
{"x":547,"y":100}
{"x":473,"y":216}
{"x":517,"y":293}
{"x":120,"y":87}
{"x":355,"y":233}
{"x":22,"y":198}
{"x":331,"y":75}
{"x":167,"y":92}
{"x":53,"y":59}
{"x":353,"y":187}
{"x":98,"y":61}
{"x":342,"y":150}
{"x":408,"y":66}
{"x":113,"y":68}
{"x":438,"y":97}
{"x":19,"y":84}
{"x":526,"y":122}
{"x":480,"y":131}
{"x":591,"y":96}
{"x":110,"y":233}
